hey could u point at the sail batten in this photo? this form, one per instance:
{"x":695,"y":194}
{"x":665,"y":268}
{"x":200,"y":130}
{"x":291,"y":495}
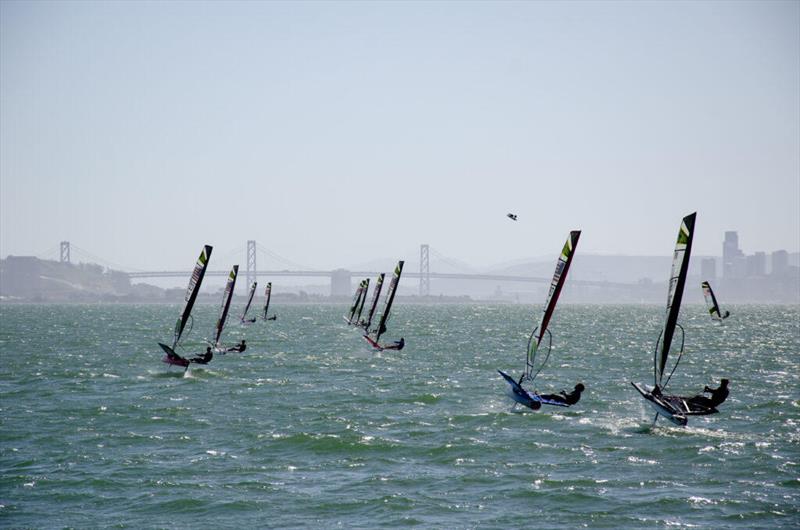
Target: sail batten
{"x":227,"y":295}
{"x":677,"y":282}
{"x":191,"y":292}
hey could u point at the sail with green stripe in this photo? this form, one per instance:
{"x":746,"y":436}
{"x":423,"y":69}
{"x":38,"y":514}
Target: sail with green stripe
{"x":677,"y":282}
{"x":556,"y":285}
{"x":227,"y":295}
{"x":191,"y":292}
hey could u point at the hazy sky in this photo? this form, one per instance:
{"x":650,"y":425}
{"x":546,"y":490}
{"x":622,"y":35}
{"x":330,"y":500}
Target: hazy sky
{"x":334,"y":133}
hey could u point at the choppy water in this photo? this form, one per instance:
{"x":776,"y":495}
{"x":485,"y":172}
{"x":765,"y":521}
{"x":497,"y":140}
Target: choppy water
{"x":309,"y":428}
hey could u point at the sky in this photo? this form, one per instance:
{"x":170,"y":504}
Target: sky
{"x":333,"y":133}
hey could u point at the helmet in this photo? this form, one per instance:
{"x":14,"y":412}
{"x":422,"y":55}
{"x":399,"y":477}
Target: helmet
{"x":579,"y":387}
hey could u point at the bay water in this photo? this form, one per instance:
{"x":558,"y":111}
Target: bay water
{"x":311,"y":428}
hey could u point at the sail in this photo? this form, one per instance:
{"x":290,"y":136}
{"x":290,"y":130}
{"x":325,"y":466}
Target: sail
{"x":677,"y":281}
{"x":364,"y":292}
{"x":191,"y":292}
{"x":227,"y":295}
{"x":354,"y":305}
{"x":376,"y":293}
{"x":249,"y":300}
{"x":556,"y":285}
{"x":711,"y":301}
{"x":398,"y":270}
{"x":268,"y":295}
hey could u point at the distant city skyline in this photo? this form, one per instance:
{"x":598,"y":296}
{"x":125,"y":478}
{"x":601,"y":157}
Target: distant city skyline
{"x":340,"y":132}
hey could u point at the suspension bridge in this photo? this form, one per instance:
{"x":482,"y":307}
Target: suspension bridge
{"x":340,"y":279}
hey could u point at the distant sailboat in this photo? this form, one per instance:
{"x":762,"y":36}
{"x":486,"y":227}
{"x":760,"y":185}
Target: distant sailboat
{"x":356,"y":301}
{"x":185,"y":317}
{"x":373,"y":337}
{"x":364,"y":291}
{"x":711,"y":302}
{"x":534,"y":400}
{"x":268,"y":295}
{"x":675,"y":408}
{"x":376,"y":293}
{"x":244,"y":319}
{"x":227,"y":296}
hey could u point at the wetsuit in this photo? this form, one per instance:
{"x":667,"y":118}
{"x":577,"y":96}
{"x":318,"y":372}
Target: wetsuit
{"x":205,"y":359}
{"x":570,"y":399}
{"x":718,"y":396}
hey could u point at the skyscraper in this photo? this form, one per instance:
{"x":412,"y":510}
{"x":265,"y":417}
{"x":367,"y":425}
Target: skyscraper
{"x":730,"y":253}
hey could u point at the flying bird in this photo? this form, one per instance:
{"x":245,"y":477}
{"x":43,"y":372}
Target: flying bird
{"x":512,"y":216}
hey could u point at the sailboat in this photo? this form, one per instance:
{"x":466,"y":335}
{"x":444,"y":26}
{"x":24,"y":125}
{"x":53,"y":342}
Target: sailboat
{"x":185,"y":317}
{"x":373,"y":337}
{"x":357,"y":316}
{"x":268,"y":295}
{"x":227,"y":295}
{"x":676,"y":409}
{"x":244,"y":319}
{"x":356,"y":300}
{"x":524,"y":397}
{"x":711,"y":302}
{"x":376,"y":293}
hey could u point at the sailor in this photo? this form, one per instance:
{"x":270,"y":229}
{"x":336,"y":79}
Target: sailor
{"x":238,"y":348}
{"x":203,"y":359}
{"x":512,"y":216}
{"x":570,"y":399}
{"x":718,"y":396}
{"x":397,"y":345}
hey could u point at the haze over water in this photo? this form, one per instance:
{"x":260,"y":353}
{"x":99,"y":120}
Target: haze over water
{"x":310,"y":428}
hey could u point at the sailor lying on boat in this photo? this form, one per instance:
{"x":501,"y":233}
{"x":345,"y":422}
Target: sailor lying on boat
{"x":570,"y":399}
{"x":203,"y":359}
{"x":718,"y":395}
{"x":396,"y":345}
{"x":238,"y":348}
{"x":699,"y":402}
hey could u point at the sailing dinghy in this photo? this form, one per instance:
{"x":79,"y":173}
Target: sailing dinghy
{"x":268,"y":295}
{"x":227,"y":295}
{"x":376,"y":293}
{"x":356,"y":301}
{"x":373,"y":337}
{"x":185,"y":317}
{"x":676,"y":409}
{"x":711,"y":302}
{"x":244,"y":319}
{"x":533,"y":400}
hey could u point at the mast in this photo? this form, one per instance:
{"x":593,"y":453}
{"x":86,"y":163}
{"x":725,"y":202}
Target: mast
{"x":268,"y":295}
{"x":249,"y":299}
{"x":677,"y":281}
{"x":556,"y":285}
{"x":398,"y":270}
{"x":227,"y":295}
{"x":191,"y":292}
{"x":376,"y":293}
{"x":363,"y":299}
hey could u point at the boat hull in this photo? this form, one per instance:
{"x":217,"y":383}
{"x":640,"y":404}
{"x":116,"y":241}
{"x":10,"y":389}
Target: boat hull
{"x":372,"y":343}
{"x":663,"y":407}
{"x":173,"y":358}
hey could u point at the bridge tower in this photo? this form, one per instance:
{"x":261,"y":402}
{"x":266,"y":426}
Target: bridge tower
{"x":64,"y":252}
{"x":424,"y":271}
{"x":251,"y":262}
